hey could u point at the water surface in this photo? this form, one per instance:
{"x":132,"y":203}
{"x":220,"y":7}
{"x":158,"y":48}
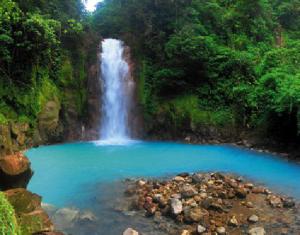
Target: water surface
{"x":68,"y":174}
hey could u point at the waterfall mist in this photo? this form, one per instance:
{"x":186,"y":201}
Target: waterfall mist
{"x":117,"y":93}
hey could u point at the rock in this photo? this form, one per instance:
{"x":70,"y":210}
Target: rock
{"x":29,"y":211}
{"x":87,"y":216}
{"x":141,"y":183}
{"x":288,"y":203}
{"x":275,"y":201}
{"x":150,"y":208}
{"x":185,"y":232}
{"x":176,"y":206}
{"x":257,"y":231}
{"x":179,"y":179}
{"x":130,"y":231}
{"x":233,"y":222}
{"x":15,"y":164}
{"x":253,"y":219}
{"x":15,"y":171}
{"x":48,"y":121}
{"x":249,"y":205}
{"x":188,"y":191}
{"x":194,"y":214}
{"x":50,"y":209}
{"x":66,"y":217}
{"x":241,"y":193}
{"x":221,"y":230}
{"x":197,"y":178}
{"x":200,"y":229}
{"x":258,"y":190}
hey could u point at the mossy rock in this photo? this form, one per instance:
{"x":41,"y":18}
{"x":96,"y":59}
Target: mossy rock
{"x":30,"y":215}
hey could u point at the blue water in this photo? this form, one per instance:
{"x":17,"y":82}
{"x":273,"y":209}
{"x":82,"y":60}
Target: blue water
{"x":67,"y":174}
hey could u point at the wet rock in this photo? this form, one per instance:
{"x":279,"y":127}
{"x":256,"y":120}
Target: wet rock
{"x":257,"y":231}
{"x":130,"y":231}
{"x":200,"y":229}
{"x":253,"y":219}
{"x":141,"y":183}
{"x":221,"y":230}
{"x":188,"y":191}
{"x":194,"y":214}
{"x":87,"y":217}
{"x":176,"y":206}
{"x":66,"y":217}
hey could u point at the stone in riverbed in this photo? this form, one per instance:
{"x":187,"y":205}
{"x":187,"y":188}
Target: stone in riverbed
{"x":188,"y":191}
{"x":288,"y":203}
{"x":197,"y":178}
{"x":176,"y":206}
{"x":257,"y":231}
{"x":179,"y":179}
{"x":233,"y":222}
{"x":185,"y":232}
{"x":194,"y":214}
{"x":130,"y":231}
{"x":200,"y":229}
{"x":275,"y":201}
{"x":253,"y":219}
{"x":221,"y":230}
{"x":241,"y":193}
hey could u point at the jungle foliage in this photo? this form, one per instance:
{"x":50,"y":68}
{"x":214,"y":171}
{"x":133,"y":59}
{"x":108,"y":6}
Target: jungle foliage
{"x":229,"y":55}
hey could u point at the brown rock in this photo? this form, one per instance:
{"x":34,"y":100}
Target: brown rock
{"x":194,"y":214}
{"x":15,"y":164}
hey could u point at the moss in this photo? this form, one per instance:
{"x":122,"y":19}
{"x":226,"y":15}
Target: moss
{"x":186,"y":110}
{"x":8,"y":221}
{"x":3,"y":119}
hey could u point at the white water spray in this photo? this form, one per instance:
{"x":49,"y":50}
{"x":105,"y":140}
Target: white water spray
{"x":117,"y":88}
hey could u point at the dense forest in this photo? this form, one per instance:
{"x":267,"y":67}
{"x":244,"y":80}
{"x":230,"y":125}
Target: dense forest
{"x":230,"y":64}
{"x":217,"y":62}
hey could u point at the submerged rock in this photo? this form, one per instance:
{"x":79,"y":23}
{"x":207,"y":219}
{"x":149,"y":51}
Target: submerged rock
{"x":65,"y":217}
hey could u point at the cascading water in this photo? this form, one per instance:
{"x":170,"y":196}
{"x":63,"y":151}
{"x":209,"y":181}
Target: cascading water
{"x":117,"y":88}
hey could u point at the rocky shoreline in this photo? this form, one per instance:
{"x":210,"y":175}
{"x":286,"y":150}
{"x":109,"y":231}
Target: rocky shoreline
{"x":212,"y":203}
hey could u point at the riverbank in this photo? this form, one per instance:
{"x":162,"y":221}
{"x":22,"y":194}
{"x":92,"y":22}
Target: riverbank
{"x":209,"y":203}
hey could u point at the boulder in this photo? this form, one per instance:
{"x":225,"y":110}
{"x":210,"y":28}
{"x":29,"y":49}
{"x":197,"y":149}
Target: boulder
{"x":31,"y":217}
{"x":15,"y":164}
{"x":15,"y":171}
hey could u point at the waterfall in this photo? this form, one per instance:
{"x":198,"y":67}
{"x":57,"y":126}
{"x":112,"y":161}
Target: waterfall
{"x":117,"y":93}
